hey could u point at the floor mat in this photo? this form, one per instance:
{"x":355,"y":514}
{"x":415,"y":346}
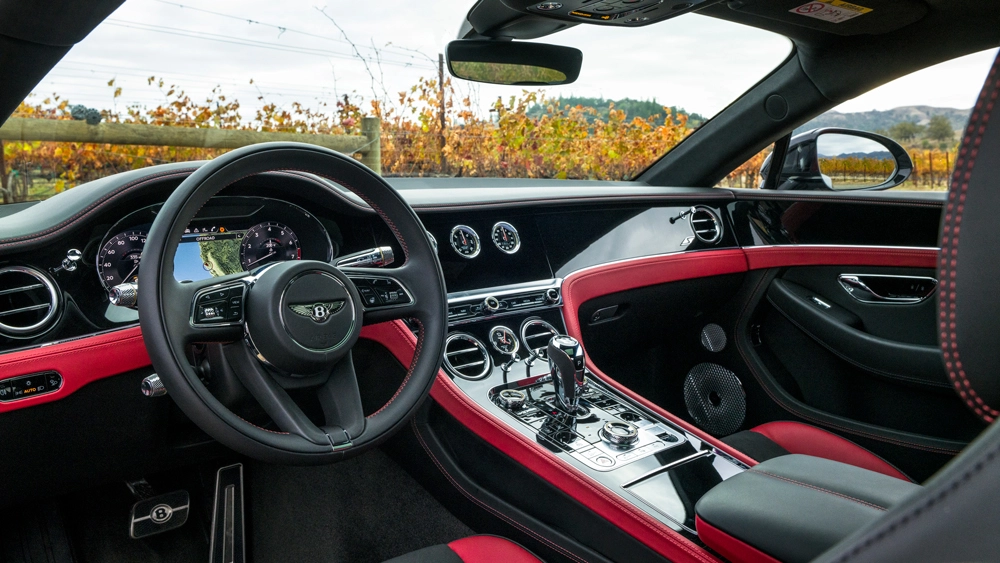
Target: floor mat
{"x":363,"y":510}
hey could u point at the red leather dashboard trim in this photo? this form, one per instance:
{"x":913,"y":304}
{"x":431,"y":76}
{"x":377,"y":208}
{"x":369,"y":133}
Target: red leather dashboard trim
{"x":761,"y":257}
{"x":606,"y":279}
{"x":78,"y":361}
{"x":658,"y":537}
{"x":729,"y":547}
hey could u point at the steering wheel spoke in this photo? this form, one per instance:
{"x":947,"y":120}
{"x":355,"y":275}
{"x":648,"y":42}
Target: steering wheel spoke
{"x":208,"y":310}
{"x":385,"y":294}
{"x":272,"y":397}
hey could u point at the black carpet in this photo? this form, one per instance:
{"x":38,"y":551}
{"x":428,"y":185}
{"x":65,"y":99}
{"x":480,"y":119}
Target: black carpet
{"x":366,"y":509}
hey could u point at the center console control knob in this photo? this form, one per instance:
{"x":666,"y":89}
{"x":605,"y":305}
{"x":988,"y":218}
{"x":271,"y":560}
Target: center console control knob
{"x":511,"y":399}
{"x":491,"y":304}
{"x":619,"y":433}
{"x":551,"y":295}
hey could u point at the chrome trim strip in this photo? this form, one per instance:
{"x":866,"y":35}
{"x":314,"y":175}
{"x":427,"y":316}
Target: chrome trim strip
{"x":667,"y":467}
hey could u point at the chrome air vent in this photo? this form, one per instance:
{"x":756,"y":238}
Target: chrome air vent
{"x":29,"y":301}
{"x":706,"y":225}
{"x":535,"y":334}
{"x":466,"y":357}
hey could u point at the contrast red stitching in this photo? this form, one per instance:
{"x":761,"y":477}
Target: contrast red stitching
{"x":964,"y":164}
{"x":820,"y":489}
{"x":413,"y":362}
{"x":487,"y":507}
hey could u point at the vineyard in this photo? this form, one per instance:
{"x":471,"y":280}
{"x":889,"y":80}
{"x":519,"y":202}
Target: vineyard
{"x":426,"y":131}
{"x":564,"y":142}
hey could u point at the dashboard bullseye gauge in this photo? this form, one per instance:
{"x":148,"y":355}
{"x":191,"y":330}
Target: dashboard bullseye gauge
{"x":465,"y":241}
{"x":268,"y":242}
{"x":504,"y":340}
{"x":506,"y":238}
{"x":118,"y":259}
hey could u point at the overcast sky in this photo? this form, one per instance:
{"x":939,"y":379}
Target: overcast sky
{"x":293,"y":52}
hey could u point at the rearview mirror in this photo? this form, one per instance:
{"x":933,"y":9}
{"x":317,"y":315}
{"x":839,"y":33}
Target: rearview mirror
{"x":514,"y":62}
{"x":842,"y":159}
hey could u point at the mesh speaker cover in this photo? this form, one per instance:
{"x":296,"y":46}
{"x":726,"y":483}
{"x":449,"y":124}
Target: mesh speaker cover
{"x":713,"y":338}
{"x":715,"y":399}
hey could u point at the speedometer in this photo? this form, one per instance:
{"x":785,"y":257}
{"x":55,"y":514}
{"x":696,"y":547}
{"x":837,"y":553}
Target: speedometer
{"x":118,"y":260}
{"x":268,"y":242}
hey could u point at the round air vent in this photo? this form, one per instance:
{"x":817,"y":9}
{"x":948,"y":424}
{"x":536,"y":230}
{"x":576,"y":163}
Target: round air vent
{"x":535,"y":334}
{"x":466,"y":357}
{"x":706,"y":225}
{"x":29,"y":301}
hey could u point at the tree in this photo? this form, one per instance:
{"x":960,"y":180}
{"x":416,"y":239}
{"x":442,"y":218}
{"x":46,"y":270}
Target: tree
{"x":939,"y":129}
{"x":905,"y":131}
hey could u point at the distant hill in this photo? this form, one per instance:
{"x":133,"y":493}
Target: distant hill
{"x":883,"y":120}
{"x":633,"y":108}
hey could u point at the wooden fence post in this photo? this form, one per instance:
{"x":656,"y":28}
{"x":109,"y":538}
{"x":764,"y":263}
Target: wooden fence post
{"x":371,"y":127}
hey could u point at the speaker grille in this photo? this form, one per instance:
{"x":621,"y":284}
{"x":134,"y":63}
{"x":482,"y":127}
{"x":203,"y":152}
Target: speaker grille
{"x":713,"y":338}
{"x":715,"y":399}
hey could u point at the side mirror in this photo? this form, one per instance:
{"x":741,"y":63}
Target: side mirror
{"x":842,"y":159}
{"x":513,"y":62}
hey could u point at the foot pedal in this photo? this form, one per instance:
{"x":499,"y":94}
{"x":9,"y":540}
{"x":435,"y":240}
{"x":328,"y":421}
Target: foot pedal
{"x":159,"y":514}
{"x":227,"y":517}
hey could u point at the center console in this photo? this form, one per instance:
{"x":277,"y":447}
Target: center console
{"x":515,"y":362}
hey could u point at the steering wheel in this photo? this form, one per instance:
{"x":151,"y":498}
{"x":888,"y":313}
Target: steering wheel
{"x":289,"y":324}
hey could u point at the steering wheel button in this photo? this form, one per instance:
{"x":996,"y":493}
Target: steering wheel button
{"x":369,"y":297}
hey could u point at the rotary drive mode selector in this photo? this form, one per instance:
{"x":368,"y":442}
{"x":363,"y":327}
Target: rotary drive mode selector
{"x":511,"y":399}
{"x":619,"y":434}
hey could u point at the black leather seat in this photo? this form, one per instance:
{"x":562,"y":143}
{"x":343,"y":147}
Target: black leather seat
{"x":474,"y":549}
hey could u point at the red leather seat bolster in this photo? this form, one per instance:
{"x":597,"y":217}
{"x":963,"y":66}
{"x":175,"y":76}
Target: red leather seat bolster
{"x":729,"y":547}
{"x":800,"y":438}
{"x":491,"y":549}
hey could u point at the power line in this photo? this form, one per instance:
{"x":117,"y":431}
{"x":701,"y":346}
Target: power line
{"x":250,"y":42}
{"x":284,"y":29}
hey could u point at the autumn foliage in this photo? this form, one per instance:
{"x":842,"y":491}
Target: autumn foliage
{"x":563,"y":142}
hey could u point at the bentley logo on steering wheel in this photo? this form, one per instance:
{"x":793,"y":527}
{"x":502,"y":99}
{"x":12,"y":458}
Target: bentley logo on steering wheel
{"x":318,"y":312}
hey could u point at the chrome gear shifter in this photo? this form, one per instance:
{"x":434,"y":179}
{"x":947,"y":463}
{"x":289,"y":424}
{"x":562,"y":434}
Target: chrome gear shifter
{"x":566,"y":363}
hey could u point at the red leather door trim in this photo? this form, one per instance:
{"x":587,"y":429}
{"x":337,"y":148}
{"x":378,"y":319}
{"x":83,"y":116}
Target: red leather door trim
{"x":761,"y":257}
{"x":78,"y":361}
{"x":658,"y":537}
{"x":729,"y":547}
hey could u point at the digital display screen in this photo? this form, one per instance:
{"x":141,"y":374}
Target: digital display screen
{"x":208,"y":253}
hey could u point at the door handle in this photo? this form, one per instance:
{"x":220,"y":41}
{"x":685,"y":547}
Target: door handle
{"x":878,"y":288}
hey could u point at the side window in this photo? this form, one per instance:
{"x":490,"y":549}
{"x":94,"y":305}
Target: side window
{"x":916,"y":119}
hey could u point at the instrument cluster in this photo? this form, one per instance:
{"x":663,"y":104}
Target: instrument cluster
{"x":230,"y":235}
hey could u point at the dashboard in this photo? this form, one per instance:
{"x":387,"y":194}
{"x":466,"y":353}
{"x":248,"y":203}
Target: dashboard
{"x":230,"y":235}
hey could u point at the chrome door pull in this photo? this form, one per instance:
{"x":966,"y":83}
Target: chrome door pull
{"x":858,"y":286}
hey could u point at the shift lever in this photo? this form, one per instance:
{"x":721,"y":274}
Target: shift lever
{"x":566,"y":364}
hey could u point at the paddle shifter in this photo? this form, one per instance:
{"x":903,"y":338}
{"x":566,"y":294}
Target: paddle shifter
{"x":566,"y":364}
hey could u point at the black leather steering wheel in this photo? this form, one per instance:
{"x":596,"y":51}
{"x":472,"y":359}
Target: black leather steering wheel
{"x":289,"y":324}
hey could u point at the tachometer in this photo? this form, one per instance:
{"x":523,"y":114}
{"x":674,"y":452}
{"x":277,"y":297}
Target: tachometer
{"x":506,"y":238}
{"x":118,"y":260}
{"x":465,"y":241}
{"x":268,"y":242}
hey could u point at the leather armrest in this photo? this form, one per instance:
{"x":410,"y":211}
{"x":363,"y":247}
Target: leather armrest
{"x":795,"y":507}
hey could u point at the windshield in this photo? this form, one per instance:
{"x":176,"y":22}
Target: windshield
{"x":161,"y":81}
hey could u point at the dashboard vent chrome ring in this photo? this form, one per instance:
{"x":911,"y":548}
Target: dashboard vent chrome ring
{"x":705,"y":224}
{"x":536,"y":334}
{"x":466,"y":357}
{"x":29,"y":301}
